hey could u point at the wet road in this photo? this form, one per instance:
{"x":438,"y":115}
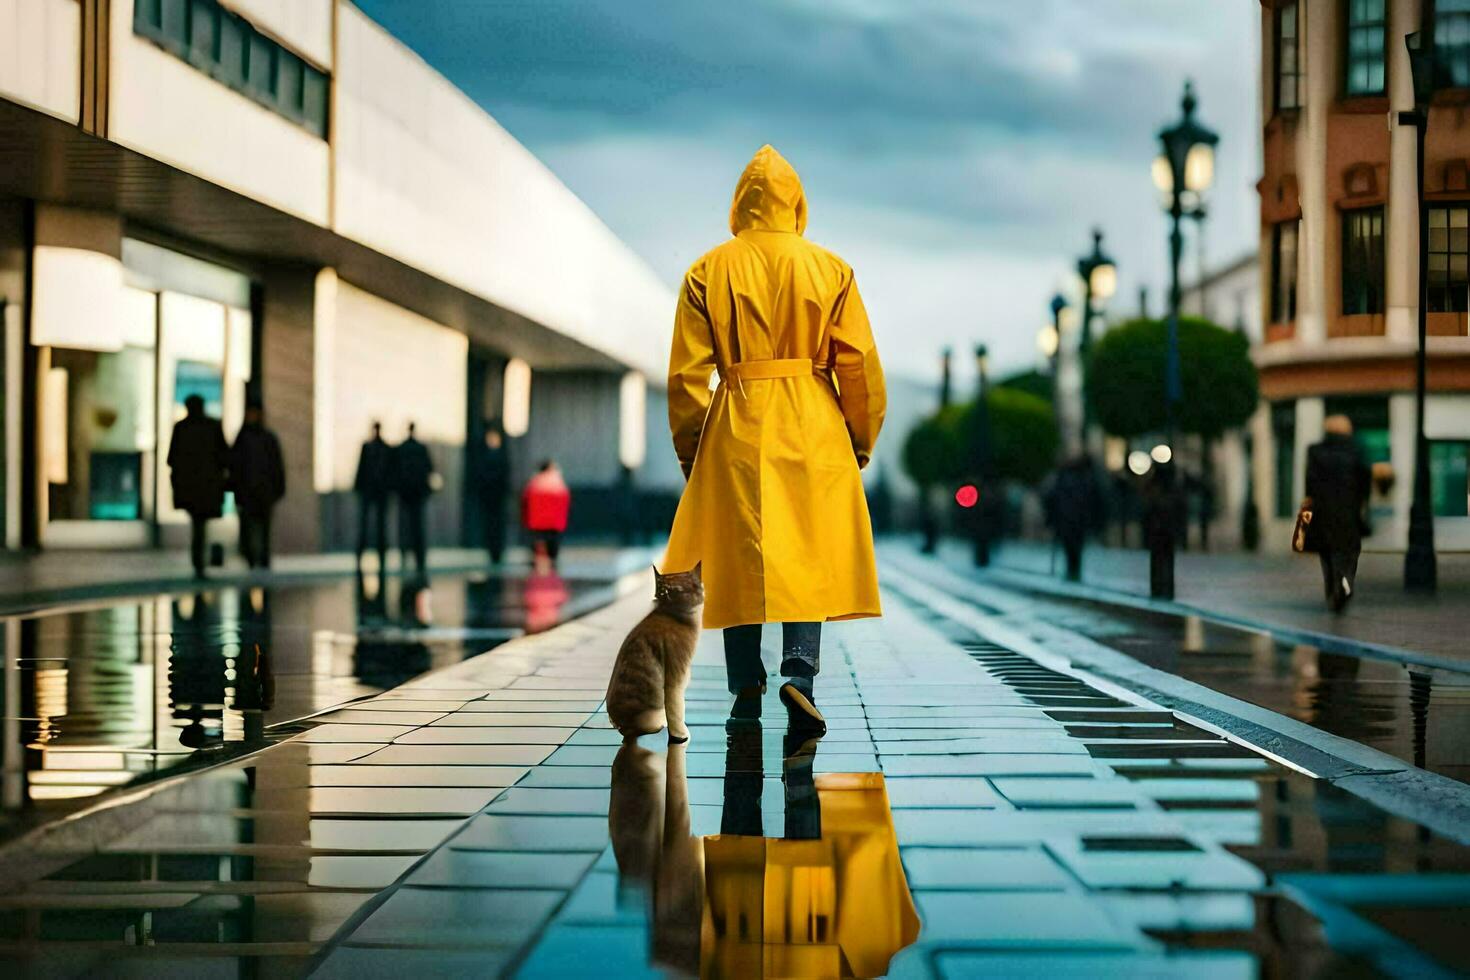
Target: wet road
{"x":105,"y":695}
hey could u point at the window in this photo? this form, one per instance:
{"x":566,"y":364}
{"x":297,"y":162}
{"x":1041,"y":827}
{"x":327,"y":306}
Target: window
{"x":1362,"y":261}
{"x":1288,"y":60}
{"x":226,"y":47}
{"x":1283,"y":272}
{"x":1449,"y":478}
{"x":1364,"y":61}
{"x":1449,"y":247}
{"x":1452,"y":42}
{"x":1283,"y":432}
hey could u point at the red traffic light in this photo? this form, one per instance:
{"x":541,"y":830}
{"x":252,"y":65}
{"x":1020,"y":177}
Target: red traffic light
{"x":967,"y":495}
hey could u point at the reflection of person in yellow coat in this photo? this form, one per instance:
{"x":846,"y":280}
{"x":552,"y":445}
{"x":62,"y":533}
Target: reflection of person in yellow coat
{"x":774,"y":507}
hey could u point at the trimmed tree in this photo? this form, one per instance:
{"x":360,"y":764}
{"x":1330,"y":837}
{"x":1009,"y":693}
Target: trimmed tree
{"x":1023,"y":434}
{"x":1125,"y":378}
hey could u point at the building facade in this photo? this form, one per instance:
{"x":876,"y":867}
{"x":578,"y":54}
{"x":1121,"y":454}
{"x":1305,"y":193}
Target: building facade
{"x":1339,"y":253}
{"x":277,"y":199}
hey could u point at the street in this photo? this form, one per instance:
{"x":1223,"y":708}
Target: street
{"x":1047,"y":818}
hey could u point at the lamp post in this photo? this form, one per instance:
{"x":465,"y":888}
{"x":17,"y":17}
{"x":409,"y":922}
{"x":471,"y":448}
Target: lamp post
{"x":1183,"y":172}
{"x":1420,"y":571}
{"x":1049,"y":343}
{"x":1099,"y":281}
{"x":980,"y":457}
{"x":944,"y":358}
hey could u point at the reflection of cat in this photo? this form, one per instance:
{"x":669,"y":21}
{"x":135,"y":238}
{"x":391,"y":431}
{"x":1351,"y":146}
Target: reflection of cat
{"x":647,"y":684}
{"x":648,"y":821}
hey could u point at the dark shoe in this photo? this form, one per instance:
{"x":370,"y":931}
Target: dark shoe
{"x":747,"y":706}
{"x":801,"y":711}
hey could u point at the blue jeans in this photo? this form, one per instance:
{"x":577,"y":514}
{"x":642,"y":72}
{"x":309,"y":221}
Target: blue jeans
{"x":801,"y":648}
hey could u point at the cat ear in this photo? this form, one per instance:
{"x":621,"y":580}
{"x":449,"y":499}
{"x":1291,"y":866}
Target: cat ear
{"x":696,"y":569}
{"x":656,"y":574}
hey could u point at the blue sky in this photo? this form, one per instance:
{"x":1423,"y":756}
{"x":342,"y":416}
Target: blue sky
{"x":956,"y":152}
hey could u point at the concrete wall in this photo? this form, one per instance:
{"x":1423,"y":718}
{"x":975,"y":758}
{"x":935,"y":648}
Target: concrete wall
{"x":40,"y":55}
{"x":169,"y":110}
{"x":424,"y":175}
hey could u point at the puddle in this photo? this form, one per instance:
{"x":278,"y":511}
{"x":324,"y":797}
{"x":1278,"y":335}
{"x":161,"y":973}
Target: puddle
{"x":102,"y":696}
{"x":1420,"y":715}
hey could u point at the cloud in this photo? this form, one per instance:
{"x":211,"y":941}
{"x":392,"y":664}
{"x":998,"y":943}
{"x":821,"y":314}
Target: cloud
{"x":956,"y":151}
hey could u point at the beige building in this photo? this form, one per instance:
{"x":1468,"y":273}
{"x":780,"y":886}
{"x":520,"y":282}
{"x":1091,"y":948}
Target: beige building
{"x":276,"y":197}
{"x":1339,"y":252}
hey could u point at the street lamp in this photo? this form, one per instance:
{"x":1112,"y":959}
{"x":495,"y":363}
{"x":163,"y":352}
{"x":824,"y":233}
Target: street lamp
{"x":1183,"y":172}
{"x":1049,"y":342}
{"x":1420,"y":571}
{"x":1099,"y":281}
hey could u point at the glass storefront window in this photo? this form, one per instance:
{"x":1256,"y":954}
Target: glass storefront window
{"x":1449,"y":477}
{"x":104,"y":453}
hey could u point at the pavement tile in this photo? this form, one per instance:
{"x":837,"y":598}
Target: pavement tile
{"x":984,"y":869}
{"x":372,"y":871}
{"x":515,"y":719}
{"x":1211,"y":869}
{"x":1014,"y":828}
{"x":429,"y":917}
{"x":446,"y":735}
{"x":368,"y":716}
{"x":988,"y":764}
{"x":458,"y":755}
{"x":450,"y":868}
{"x":1069,"y":792}
{"x":527,"y":800}
{"x":939,"y":792}
{"x":1209,"y":965}
{"x":355,"y":963}
{"x":495,"y":832}
{"x":420,"y":800}
{"x":1033,"y":920}
{"x":998,"y":744}
{"x":535,"y":706}
{"x":388,"y":702}
{"x":567,"y":777}
{"x":354,"y":733}
{"x":622,"y":951}
{"x":369,"y":775}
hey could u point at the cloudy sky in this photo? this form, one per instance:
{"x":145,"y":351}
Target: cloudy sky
{"x":956,"y":152}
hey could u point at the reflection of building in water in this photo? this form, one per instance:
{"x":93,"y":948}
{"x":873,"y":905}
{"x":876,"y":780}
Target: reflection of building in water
{"x":837,"y":906}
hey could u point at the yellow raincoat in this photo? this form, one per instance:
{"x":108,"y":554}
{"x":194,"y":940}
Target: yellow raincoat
{"x":774,"y":507}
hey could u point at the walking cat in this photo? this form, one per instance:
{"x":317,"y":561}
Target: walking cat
{"x":647,"y":685}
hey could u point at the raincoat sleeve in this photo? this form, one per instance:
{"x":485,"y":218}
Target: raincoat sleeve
{"x":691,"y":362}
{"x":859,"y":376}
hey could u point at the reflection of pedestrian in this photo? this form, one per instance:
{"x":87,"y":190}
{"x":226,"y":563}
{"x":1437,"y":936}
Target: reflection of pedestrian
{"x":258,"y":477}
{"x":196,"y":672}
{"x":491,"y":478}
{"x":774,"y":508}
{"x":1337,"y":485}
{"x":373,"y":486}
{"x":1073,"y":509}
{"x":413,"y":479}
{"x":197,"y":459}
{"x":546,"y":504}
{"x":255,"y":683}
{"x":1163,"y":516}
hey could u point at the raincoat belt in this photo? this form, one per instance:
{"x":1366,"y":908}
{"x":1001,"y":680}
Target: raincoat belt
{"x":781,"y":367}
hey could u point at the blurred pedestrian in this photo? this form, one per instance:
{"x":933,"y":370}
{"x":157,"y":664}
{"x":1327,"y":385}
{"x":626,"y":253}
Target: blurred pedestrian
{"x":774,"y":512}
{"x":198,"y":461}
{"x":258,"y":478}
{"x":545,"y":505}
{"x":1338,"y":480}
{"x":374,"y":485}
{"x":414,"y":479}
{"x":1073,"y":509}
{"x":490,"y":473}
{"x":1164,"y":515}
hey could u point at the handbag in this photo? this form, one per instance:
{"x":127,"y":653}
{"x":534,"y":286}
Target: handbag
{"x":1300,"y":542}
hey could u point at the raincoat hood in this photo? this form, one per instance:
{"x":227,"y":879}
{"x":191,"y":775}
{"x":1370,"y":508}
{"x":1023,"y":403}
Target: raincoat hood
{"x":769,"y":196}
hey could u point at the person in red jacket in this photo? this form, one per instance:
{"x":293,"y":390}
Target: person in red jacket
{"x":545,"y":504}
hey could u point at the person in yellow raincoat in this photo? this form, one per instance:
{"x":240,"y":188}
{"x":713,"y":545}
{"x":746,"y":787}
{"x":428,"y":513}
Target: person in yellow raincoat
{"x":774,"y":507}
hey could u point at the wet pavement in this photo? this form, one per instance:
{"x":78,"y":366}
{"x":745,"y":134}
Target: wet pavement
{"x":970,"y":812}
{"x":1417,"y":713}
{"x":106,"y":695}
